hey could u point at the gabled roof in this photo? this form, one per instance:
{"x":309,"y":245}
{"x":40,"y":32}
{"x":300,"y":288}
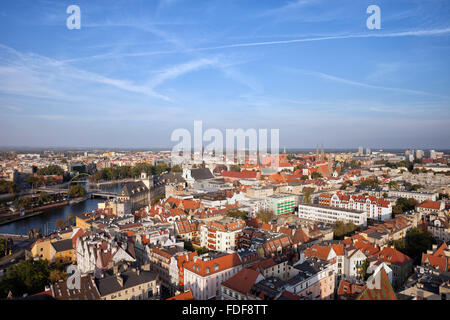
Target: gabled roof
{"x":110,"y":284}
{"x":320,"y":252}
{"x":437,"y":259}
{"x":242,"y":281}
{"x":131,"y":189}
{"x":205,"y":268}
{"x":381,"y":288}
{"x":391,"y":255}
{"x":434,"y":205}
{"x":201,"y":174}
{"x":63,"y":245}
{"x":349,"y":289}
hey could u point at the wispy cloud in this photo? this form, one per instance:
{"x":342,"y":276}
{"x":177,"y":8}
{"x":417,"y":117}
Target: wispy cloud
{"x":363,"y":84}
{"x":417,"y":33}
{"x":183,"y":49}
{"x":178,"y":70}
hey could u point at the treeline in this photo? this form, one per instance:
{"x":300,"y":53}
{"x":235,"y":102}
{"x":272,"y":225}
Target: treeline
{"x":31,"y":202}
{"x":30,"y":277}
{"x":342,"y":229}
{"x":8,"y":187}
{"x":370,"y":183}
{"x":50,"y":171}
{"x":124,"y":172}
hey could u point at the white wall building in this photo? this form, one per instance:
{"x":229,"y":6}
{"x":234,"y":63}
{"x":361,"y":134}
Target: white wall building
{"x":205,"y":274}
{"x":221,"y":235}
{"x":331,"y":215}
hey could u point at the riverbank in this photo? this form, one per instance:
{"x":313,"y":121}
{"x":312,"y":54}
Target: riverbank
{"x":77,"y":200}
{"x":8,"y":218}
{"x":47,"y":220}
{"x":14,"y":218}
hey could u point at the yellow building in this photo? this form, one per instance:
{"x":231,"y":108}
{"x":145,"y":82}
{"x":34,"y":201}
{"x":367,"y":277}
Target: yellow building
{"x":84,"y":222}
{"x":58,"y":249}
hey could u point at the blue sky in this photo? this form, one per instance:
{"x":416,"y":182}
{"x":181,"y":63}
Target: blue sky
{"x":138,"y":69}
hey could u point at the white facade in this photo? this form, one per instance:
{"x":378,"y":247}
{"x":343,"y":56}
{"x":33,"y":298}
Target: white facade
{"x":371,"y":208}
{"x":331,"y":215}
{"x":419,"y":196}
{"x":218,"y":240}
{"x":353,"y":262}
{"x":207,"y":287}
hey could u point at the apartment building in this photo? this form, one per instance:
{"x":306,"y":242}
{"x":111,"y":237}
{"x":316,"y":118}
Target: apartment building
{"x":331,"y":215}
{"x":419,"y":196}
{"x":376,"y":208}
{"x":221,"y":235}
{"x":313,"y":279}
{"x":281,"y":203}
{"x":205,"y":273}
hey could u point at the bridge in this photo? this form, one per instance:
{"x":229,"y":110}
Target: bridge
{"x":101,"y":193}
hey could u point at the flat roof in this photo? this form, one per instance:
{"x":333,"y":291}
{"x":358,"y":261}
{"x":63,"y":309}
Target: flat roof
{"x":329,"y":208}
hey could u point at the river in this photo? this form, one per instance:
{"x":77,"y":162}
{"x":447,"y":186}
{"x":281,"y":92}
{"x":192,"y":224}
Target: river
{"x":47,"y":220}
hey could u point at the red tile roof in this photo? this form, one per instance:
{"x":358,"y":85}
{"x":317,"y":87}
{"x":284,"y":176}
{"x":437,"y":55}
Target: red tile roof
{"x":393,"y":256}
{"x":206,"y":268}
{"x":242,"y":281}
{"x":385,"y":292}
{"x":320,"y":252}
{"x":434,"y":205}
{"x":183,"y":296}
{"x":437,"y":259}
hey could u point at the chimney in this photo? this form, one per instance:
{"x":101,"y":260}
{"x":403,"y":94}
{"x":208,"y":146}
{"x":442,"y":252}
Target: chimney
{"x":119,"y":280}
{"x":116,"y":269}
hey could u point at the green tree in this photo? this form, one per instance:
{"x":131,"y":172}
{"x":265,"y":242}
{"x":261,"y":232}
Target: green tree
{"x":161,"y":167}
{"x":417,"y":241}
{"x":176,"y":168}
{"x":316,"y":175}
{"x":235,"y":168}
{"x":22,"y":203}
{"x":202,"y":250}
{"x":342,"y":229}
{"x":57,"y":274}
{"x":363,"y":271}
{"x":307,"y":192}
{"x":236,"y":213}
{"x":4,"y":247}
{"x":404,"y":205}
{"x":8,"y":187}
{"x":50,"y":170}
{"x":77,"y":191}
{"x":370,"y":183}
{"x":35,"y":181}
{"x":188,"y":246}
{"x":44,"y":198}
{"x":393,"y":185}
{"x":28,"y":276}
{"x":265,"y":215}
{"x":156,"y":199}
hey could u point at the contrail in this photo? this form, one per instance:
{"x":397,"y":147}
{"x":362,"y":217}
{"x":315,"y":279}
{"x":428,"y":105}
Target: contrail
{"x":349,"y":36}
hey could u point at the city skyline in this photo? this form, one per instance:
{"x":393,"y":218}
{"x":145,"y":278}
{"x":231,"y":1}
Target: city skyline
{"x":135,"y":72}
